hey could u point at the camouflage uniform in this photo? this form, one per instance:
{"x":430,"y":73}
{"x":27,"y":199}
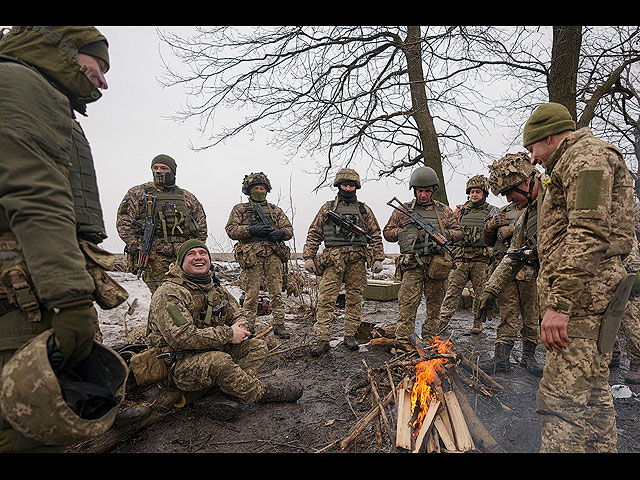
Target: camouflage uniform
{"x":178,"y":321}
{"x":343,"y":260}
{"x":472,"y":255}
{"x":260,"y":258}
{"x":50,"y":212}
{"x":422,"y":266}
{"x":179,"y":217}
{"x":585,"y":230}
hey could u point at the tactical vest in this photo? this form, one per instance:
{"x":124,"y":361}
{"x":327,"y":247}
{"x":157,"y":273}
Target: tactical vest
{"x":337,"y":236}
{"x":528,"y":235}
{"x":511,"y":213}
{"x":173,"y":221}
{"x":409,"y":238}
{"x":472,"y":223}
{"x":250,"y":218}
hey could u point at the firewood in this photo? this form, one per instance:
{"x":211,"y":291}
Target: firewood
{"x":427,"y":422}
{"x":374,"y":391}
{"x":460,"y":429}
{"x":403,"y":428}
{"x":443,"y":427}
{"x":481,"y":374}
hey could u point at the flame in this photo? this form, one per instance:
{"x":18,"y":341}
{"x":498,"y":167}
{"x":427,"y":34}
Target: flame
{"x":422,"y":392}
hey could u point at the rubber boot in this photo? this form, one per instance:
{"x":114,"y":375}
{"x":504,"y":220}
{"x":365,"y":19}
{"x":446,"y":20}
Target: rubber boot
{"x":350,"y":342}
{"x":281,"y":392}
{"x":281,"y":332}
{"x":528,"y":360}
{"x":500,"y":361}
{"x":633,"y":375}
{"x":321,"y":348}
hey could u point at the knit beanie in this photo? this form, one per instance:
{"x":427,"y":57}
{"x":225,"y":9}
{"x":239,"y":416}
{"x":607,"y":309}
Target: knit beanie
{"x":188,"y":245}
{"x":99,"y":49}
{"x":165,"y":160}
{"x":547,"y":119}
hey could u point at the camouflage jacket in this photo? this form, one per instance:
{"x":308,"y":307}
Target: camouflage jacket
{"x":585,"y":229}
{"x":132,"y":208}
{"x":176,"y":315}
{"x":315,"y":234}
{"x":452,"y":228}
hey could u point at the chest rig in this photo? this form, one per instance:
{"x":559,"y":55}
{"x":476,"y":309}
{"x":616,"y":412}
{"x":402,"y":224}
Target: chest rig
{"x":174,"y":223}
{"x":337,"y":236}
{"x":251,"y":218}
{"x":472,"y":222}
{"x":409,"y":238}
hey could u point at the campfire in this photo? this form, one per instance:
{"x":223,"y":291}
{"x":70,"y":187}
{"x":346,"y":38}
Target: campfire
{"x":432,"y":413}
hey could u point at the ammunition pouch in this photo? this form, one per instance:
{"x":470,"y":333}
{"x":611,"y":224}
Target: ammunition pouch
{"x":17,"y":290}
{"x":440,"y":266}
{"x":339,"y":257}
{"x":147,"y":368}
{"x":108,"y":293}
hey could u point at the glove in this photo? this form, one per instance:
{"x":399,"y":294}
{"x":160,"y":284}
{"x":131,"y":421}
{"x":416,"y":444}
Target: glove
{"x":635,"y":289}
{"x":496,"y":222}
{"x":276,"y":235}
{"x":73,"y":333}
{"x":376,"y":267}
{"x":310,"y":266}
{"x":486,"y":305}
{"x":259,"y":230}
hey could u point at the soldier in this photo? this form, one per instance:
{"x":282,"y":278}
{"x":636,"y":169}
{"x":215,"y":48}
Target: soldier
{"x":191,"y":314}
{"x":261,"y":251}
{"x":179,"y":216}
{"x":472,"y":255}
{"x":585,"y":229}
{"x":513,"y":283}
{"x":50,"y":224}
{"x":344,"y":259}
{"x":423,"y":266}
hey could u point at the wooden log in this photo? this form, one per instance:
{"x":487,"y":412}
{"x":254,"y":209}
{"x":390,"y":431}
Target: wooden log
{"x":427,"y":422}
{"x":481,"y":374}
{"x":403,"y":428}
{"x":460,"y":429}
{"x":374,"y":391}
{"x":443,"y":427}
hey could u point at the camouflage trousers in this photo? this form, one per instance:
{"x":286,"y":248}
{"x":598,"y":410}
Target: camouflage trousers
{"x":518,"y":299}
{"x":233,"y":369}
{"x":268,"y":270}
{"x":354,"y":277}
{"x":630,"y":327}
{"x":574,"y":401}
{"x":416,"y":283}
{"x":458,"y":278}
{"x":156,"y":272}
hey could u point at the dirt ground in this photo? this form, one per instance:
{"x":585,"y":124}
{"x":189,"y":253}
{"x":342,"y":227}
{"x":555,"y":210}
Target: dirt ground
{"x":335,"y":396}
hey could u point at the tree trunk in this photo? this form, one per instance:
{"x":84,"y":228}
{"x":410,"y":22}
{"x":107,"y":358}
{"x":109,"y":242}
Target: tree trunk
{"x":563,"y":73}
{"x":412,"y":49}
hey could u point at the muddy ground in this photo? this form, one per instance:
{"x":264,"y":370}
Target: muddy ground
{"x":335,"y":394}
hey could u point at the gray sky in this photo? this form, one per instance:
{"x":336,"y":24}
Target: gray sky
{"x":129,"y":126}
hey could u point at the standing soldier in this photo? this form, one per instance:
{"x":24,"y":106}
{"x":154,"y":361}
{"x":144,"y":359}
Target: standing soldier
{"x":347,"y":252}
{"x":50,"y":224}
{"x":422,"y":265}
{"x":261,"y":228}
{"x":472,"y":255}
{"x":585,"y":230}
{"x":513,"y":282}
{"x":177,"y":216}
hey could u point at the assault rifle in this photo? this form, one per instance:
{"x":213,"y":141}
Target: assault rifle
{"x":148,"y":232}
{"x":526,"y":255}
{"x":257,"y":209}
{"x":423,"y":225}
{"x":348,"y":224}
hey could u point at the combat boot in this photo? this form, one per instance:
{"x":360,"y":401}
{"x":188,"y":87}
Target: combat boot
{"x":528,"y":360}
{"x":477,"y":326}
{"x":281,"y":332}
{"x":218,"y":407}
{"x":633,"y":375}
{"x":129,"y":414}
{"x":281,"y":392}
{"x":320,"y":348}
{"x":500,"y":361}
{"x":350,"y":342}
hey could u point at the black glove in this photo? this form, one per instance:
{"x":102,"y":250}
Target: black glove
{"x":276,"y":235}
{"x":487,"y":304}
{"x":259,"y":230}
{"x":73,"y":332}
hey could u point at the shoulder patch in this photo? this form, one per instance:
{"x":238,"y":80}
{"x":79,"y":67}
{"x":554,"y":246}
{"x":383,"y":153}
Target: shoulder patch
{"x":588,"y":189}
{"x":176,"y":315}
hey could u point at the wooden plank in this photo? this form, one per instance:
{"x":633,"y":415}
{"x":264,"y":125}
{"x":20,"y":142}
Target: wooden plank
{"x":460,"y":428}
{"x":403,"y":429}
{"x":445,"y":432}
{"x":426,"y":425}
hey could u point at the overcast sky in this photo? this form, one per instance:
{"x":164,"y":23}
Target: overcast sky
{"x":128,"y":126}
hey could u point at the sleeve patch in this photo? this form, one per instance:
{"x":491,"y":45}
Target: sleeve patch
{"x":176,"y":315}
{"x":588,"y":190}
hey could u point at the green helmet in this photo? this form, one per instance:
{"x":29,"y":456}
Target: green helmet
{"x":479,"y":181}
{"x":424,"y":177}
{"x":252,"y":179}
{"x":347,"y":175}
{"x":63,"y":408}
{"x":509,"y":172}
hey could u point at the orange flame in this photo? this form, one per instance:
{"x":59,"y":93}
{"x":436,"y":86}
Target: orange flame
{"x":422,"y":391}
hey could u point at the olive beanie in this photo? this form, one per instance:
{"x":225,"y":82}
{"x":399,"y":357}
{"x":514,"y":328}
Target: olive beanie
{"x":188,"y":245}
{"x":547,"y":119}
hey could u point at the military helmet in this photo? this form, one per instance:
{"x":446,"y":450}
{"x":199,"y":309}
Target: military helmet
{"x":424,"y":177}
{"x":347,"y":175}
{"x":252,"y":179}
{"x":509,"y":172}
{"x":65,"y":407}
{"x":478,"y":181}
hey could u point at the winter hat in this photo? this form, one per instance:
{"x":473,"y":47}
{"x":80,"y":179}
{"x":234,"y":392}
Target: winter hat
{"x":547,"y":119}
{"x":188,"y":245}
